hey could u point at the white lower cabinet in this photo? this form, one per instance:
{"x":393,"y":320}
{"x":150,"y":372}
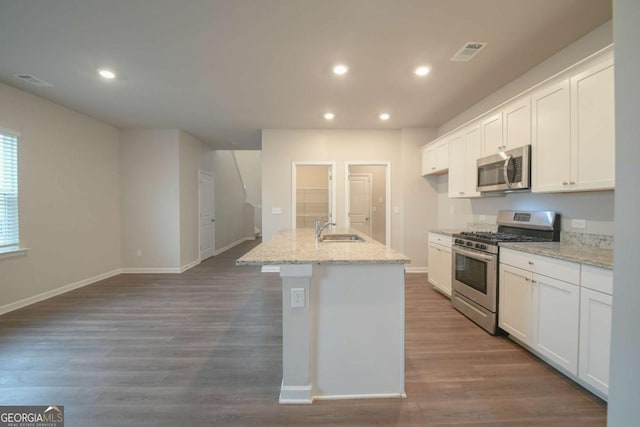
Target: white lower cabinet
{"x":567,"y":324}
{"x":440,"y":262}
{"x":514,"y":309}
{"x":595,"y":338}
{"x":556,"y":311}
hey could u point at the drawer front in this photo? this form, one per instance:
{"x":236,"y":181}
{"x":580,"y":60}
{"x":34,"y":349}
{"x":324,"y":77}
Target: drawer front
{"x":597,"y":279}
{"x":440,"y":239}
{"x":551,"y":267}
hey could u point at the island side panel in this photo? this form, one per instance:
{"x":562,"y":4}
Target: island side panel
{"x":296,"y":339}
{"x":357,"y":331}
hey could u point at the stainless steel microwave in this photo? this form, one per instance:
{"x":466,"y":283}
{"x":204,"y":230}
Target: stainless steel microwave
{"x":506,"y":171}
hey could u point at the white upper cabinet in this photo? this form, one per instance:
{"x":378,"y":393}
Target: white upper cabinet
{"x":573,"y":132}
{"x":435,"y":158}
{"x":517,"y":123}
{"x":569,"y":121}
{"x":592,"y":128}
{"x":457,"y":166}
{"x":492,"y":134}
{"x":551,"y":145}
{"x":464,"y":151}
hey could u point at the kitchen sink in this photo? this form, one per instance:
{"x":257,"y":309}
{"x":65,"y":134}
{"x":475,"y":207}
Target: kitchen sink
{"x":341,"y":238}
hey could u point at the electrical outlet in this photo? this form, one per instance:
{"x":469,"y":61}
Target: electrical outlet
{"x":276,"y":211}
{"x":298,"y":299}
{"x":139,"y":252}
{"x":579,"y":223}
{"x":482,"y":218}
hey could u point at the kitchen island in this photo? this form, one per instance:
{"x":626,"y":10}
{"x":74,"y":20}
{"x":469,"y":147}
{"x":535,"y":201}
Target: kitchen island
{"x":342,"y":316}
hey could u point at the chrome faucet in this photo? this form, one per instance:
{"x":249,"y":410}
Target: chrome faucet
{"x":321,"y":227}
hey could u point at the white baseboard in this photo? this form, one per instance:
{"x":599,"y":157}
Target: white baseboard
{"x":362,"y":396}
{"x":152,"y":270}
{"x":58,"y":291}
{"x":270,"y":269}
{"x":189,"y":266}
{"x":411,"y":270}
{"x":231,"y":245}
{"x":295,"y":395}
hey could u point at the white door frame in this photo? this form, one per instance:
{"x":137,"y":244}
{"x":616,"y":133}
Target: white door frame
{"x":370,"y":176}
{"x":213,"y":244}
{"x":332,"y":200}
{"x":387,"y":192}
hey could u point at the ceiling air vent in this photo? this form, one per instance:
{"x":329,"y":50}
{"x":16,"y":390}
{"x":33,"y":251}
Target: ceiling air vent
{"x":468,"y":51}
{"x":32,"y":80}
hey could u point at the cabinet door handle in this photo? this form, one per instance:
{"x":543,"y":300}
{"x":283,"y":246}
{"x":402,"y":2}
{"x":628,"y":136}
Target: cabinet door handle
{"x":530,"y":262}
{"x":461,"y":193}
{"x":433,"y":168}
{"x":565,"y":183}
{"x":527,"y":279}
{"x":572,"y":182}
{"x":533,"y":281}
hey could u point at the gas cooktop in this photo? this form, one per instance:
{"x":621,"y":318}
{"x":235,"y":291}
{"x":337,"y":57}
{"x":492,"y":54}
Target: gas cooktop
{"x":491,"y":237}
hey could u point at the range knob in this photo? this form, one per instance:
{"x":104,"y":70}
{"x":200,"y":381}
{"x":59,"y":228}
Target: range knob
{"x":469,"y":243}
{"x":480,"y":246}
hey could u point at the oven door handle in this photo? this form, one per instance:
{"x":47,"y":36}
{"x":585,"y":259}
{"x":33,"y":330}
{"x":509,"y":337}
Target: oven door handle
{"x":475,"y":255}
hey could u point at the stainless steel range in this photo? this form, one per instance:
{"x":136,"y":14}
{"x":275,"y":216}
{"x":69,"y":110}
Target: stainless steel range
{"x":475,"y":261}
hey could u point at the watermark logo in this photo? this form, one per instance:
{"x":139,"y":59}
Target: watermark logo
{"x":32,"y":416}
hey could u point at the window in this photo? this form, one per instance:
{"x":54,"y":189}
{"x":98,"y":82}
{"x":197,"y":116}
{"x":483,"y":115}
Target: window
{"x":8,"y":190}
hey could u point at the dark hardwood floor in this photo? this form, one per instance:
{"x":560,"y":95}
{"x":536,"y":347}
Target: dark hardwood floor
{"x":204,"y":348}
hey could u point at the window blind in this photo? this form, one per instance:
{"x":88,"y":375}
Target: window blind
{"x":8,"y":190}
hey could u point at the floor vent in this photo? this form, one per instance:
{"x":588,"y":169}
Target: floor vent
{"x":468,"y":51}
{"x":32,"y":80}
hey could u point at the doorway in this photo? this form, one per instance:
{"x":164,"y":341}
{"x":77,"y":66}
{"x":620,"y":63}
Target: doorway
{"x":207,"y":225}
{"x":367,"y":199}
{"x":313,"y":193}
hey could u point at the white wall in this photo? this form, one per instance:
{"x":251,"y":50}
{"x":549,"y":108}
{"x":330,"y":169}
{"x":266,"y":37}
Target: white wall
{"x":150,"y":198}
{"x":409,"y":191}
{"x":595,"y":207}
{"x":250,"y":165}
{"x":230,"y":200}
{"x":420,"y":197}
{"x":194,"y":157}
{"x":69,"y":196}
{"x":624,"y":393}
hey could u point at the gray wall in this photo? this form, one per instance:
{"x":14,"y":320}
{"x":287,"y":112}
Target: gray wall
{"x":69,"y":196}
{"x":150,"y":198}
{"x":624,"y":397}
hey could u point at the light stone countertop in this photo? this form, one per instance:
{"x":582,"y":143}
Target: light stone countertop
{"x":299,"y":247}
{"x":448,"y":231}
{"x":584,"y":254}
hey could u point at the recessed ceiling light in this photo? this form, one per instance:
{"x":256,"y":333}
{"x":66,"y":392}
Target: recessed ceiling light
{"x":329,"y":116}
{"x":384,"y":116}
{"x":107,"y":74}
{"x":340,"y":69}
{"x":422,"y":71}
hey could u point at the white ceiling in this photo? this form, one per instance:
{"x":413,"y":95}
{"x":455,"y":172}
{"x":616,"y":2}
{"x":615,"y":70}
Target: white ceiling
{"x":224,"y":69}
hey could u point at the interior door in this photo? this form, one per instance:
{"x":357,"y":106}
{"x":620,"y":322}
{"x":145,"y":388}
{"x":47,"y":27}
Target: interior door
{"x":360,"y":203}
{"x":207,"y":215}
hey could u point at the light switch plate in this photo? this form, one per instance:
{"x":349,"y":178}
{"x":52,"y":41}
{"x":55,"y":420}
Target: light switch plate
{"x":396,"y":209}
